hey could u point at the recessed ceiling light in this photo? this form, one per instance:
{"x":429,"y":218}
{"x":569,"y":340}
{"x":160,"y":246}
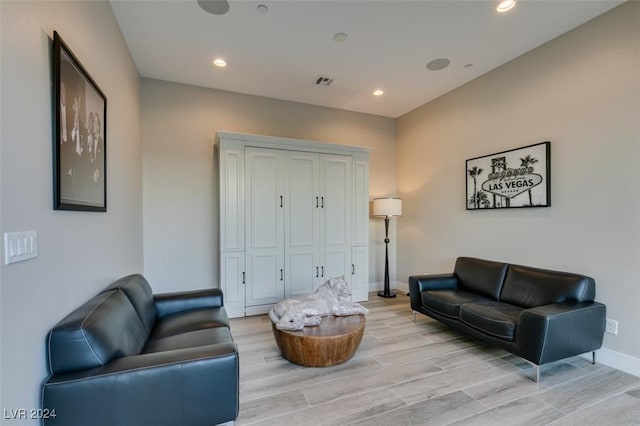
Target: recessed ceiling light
{"x":505,"y":6}
{"x":378,"y":92}
{"x":216,"y":7}
{"x":220,"y":62}
{"x":438,"y":64}
{"x":262,"y":8}
{"x":340,"y":37}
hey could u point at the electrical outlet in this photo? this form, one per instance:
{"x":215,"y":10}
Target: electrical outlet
{"x":612,"y":327}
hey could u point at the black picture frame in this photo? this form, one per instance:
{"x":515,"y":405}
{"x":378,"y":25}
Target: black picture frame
{"x":79,"y":135}
{"x":516,"y":178}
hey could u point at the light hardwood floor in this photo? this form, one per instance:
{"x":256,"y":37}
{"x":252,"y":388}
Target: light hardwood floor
{"x":422,"y":373}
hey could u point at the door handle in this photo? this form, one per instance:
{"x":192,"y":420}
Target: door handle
{"x":353,"y":269}
{"x":281,"y":275}
{"x":317,"y":272}
{"x":322,"y":269}
{"x":244,"y":281}
{"x":281,"y":200}
{"x":317,"y":202}
{"x":322,"y":205}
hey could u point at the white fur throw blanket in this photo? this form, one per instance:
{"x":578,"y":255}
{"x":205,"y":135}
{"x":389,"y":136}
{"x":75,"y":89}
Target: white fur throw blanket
{"x":331,"y":298}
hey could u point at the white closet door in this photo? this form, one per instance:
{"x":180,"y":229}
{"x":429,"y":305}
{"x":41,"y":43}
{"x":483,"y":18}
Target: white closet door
{"x":302,"y":205}
{"x":360,"y":251}
{"x":264,"y":220}
{"x":335,"y":217}
{"x":232,"y":239}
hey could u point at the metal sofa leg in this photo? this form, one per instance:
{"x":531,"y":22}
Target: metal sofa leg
{"x":593,"y":357}
{"x":536,"y":367}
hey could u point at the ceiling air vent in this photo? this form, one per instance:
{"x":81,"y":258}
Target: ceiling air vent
{"x":323,"y":81}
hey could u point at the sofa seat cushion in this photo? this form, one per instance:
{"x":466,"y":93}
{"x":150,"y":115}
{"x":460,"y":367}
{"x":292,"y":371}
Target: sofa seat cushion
{"x":495,"y":318}
{"x":448,"y":302}
{"x":192,"y":339}
{"x":185,"y":322}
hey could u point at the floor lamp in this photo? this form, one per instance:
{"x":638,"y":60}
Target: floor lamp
{"x":387,"y":208}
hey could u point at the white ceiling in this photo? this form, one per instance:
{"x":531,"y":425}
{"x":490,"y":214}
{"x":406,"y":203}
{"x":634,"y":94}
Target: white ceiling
{"x":280,"y":54}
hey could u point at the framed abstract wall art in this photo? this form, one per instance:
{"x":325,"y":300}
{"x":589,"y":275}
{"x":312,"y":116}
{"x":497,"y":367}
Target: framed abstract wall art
{"x":516,"y":178}
{"x":79,"y":135}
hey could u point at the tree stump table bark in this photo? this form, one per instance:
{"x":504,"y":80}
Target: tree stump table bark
{"x":332,"y":342}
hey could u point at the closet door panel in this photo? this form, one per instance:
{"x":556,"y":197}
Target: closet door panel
{"x":232,"y":198}
{"x":264,"y":200}
{"x":335,"y":216}
{"x":336,"y":200}
{"x":336,"y":263}
{"x":232,"y":272}
{"x":265,"y":226}
{"x":360,"y":249}
{"x":302,"y":213}
{"x":360,"y":200}
{"x":360,"y":271}
{"x":302,"y":237}
{"x":265,"y":280}
{"x":300,"y":274}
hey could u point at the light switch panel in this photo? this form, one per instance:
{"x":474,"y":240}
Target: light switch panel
{"x":19,"y":246}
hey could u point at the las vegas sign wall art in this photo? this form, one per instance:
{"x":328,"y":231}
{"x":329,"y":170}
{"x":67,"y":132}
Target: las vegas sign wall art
{"x":509,"y":179}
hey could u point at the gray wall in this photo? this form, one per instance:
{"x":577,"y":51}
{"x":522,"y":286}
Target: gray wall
{"x":181,"y":178}
{"x":581,"y":91}
{"x":79,"y":253}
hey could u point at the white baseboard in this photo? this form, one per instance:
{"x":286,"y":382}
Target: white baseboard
{"x":617,"y":360}
{"x":234,"y":312}
{"x":401,"y":287}
{"x":375,"y":286}
{"x":398,"y":286}
{"x":257,"y":310}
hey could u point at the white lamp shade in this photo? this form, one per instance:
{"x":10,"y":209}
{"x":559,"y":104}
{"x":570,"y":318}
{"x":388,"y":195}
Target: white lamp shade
{"x":387,"y":207}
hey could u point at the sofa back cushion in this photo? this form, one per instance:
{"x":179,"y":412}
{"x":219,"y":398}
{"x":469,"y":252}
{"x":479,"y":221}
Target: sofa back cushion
{"x":104,"y":328}
{"x":529,"y":287}
{"x":480,"y":276}
{"x":139,"y":293}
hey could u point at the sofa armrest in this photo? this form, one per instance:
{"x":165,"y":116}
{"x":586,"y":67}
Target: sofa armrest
{"x":560,"y":330}
{"x":171,"y":303}
{"x":420,"y":283}
{"x":185,"y":386}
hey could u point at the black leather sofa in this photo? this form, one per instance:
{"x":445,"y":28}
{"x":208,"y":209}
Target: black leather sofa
{"x":127,"y":357}
{"x":539,"y":315}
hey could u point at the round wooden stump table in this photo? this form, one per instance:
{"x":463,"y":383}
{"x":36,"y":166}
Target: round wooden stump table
{"x":332,"y":342}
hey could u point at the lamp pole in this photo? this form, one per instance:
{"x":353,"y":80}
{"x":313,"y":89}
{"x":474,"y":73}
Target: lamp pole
{"x":387,"y":291}
{"x":387,"y":208}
